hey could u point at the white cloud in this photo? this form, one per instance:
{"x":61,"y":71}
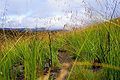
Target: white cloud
{"x":51,"y":12}
{"x":20,"y":17}
{"x":31,"y":22}
{"x":59,"y":4}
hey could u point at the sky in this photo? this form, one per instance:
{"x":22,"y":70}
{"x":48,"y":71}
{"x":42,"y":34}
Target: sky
{"x":54,"y":13}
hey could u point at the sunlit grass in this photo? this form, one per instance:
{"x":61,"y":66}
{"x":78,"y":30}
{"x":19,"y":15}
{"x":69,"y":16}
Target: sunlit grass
{"x":32,"y":51}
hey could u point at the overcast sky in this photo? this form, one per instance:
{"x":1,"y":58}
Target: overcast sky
{"x":54,"y":13}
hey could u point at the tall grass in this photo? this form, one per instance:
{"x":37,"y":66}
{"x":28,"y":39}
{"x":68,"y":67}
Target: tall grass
{"x":97,"y":43}
{"x":26,"y":58}
{"x":31,"y":54}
